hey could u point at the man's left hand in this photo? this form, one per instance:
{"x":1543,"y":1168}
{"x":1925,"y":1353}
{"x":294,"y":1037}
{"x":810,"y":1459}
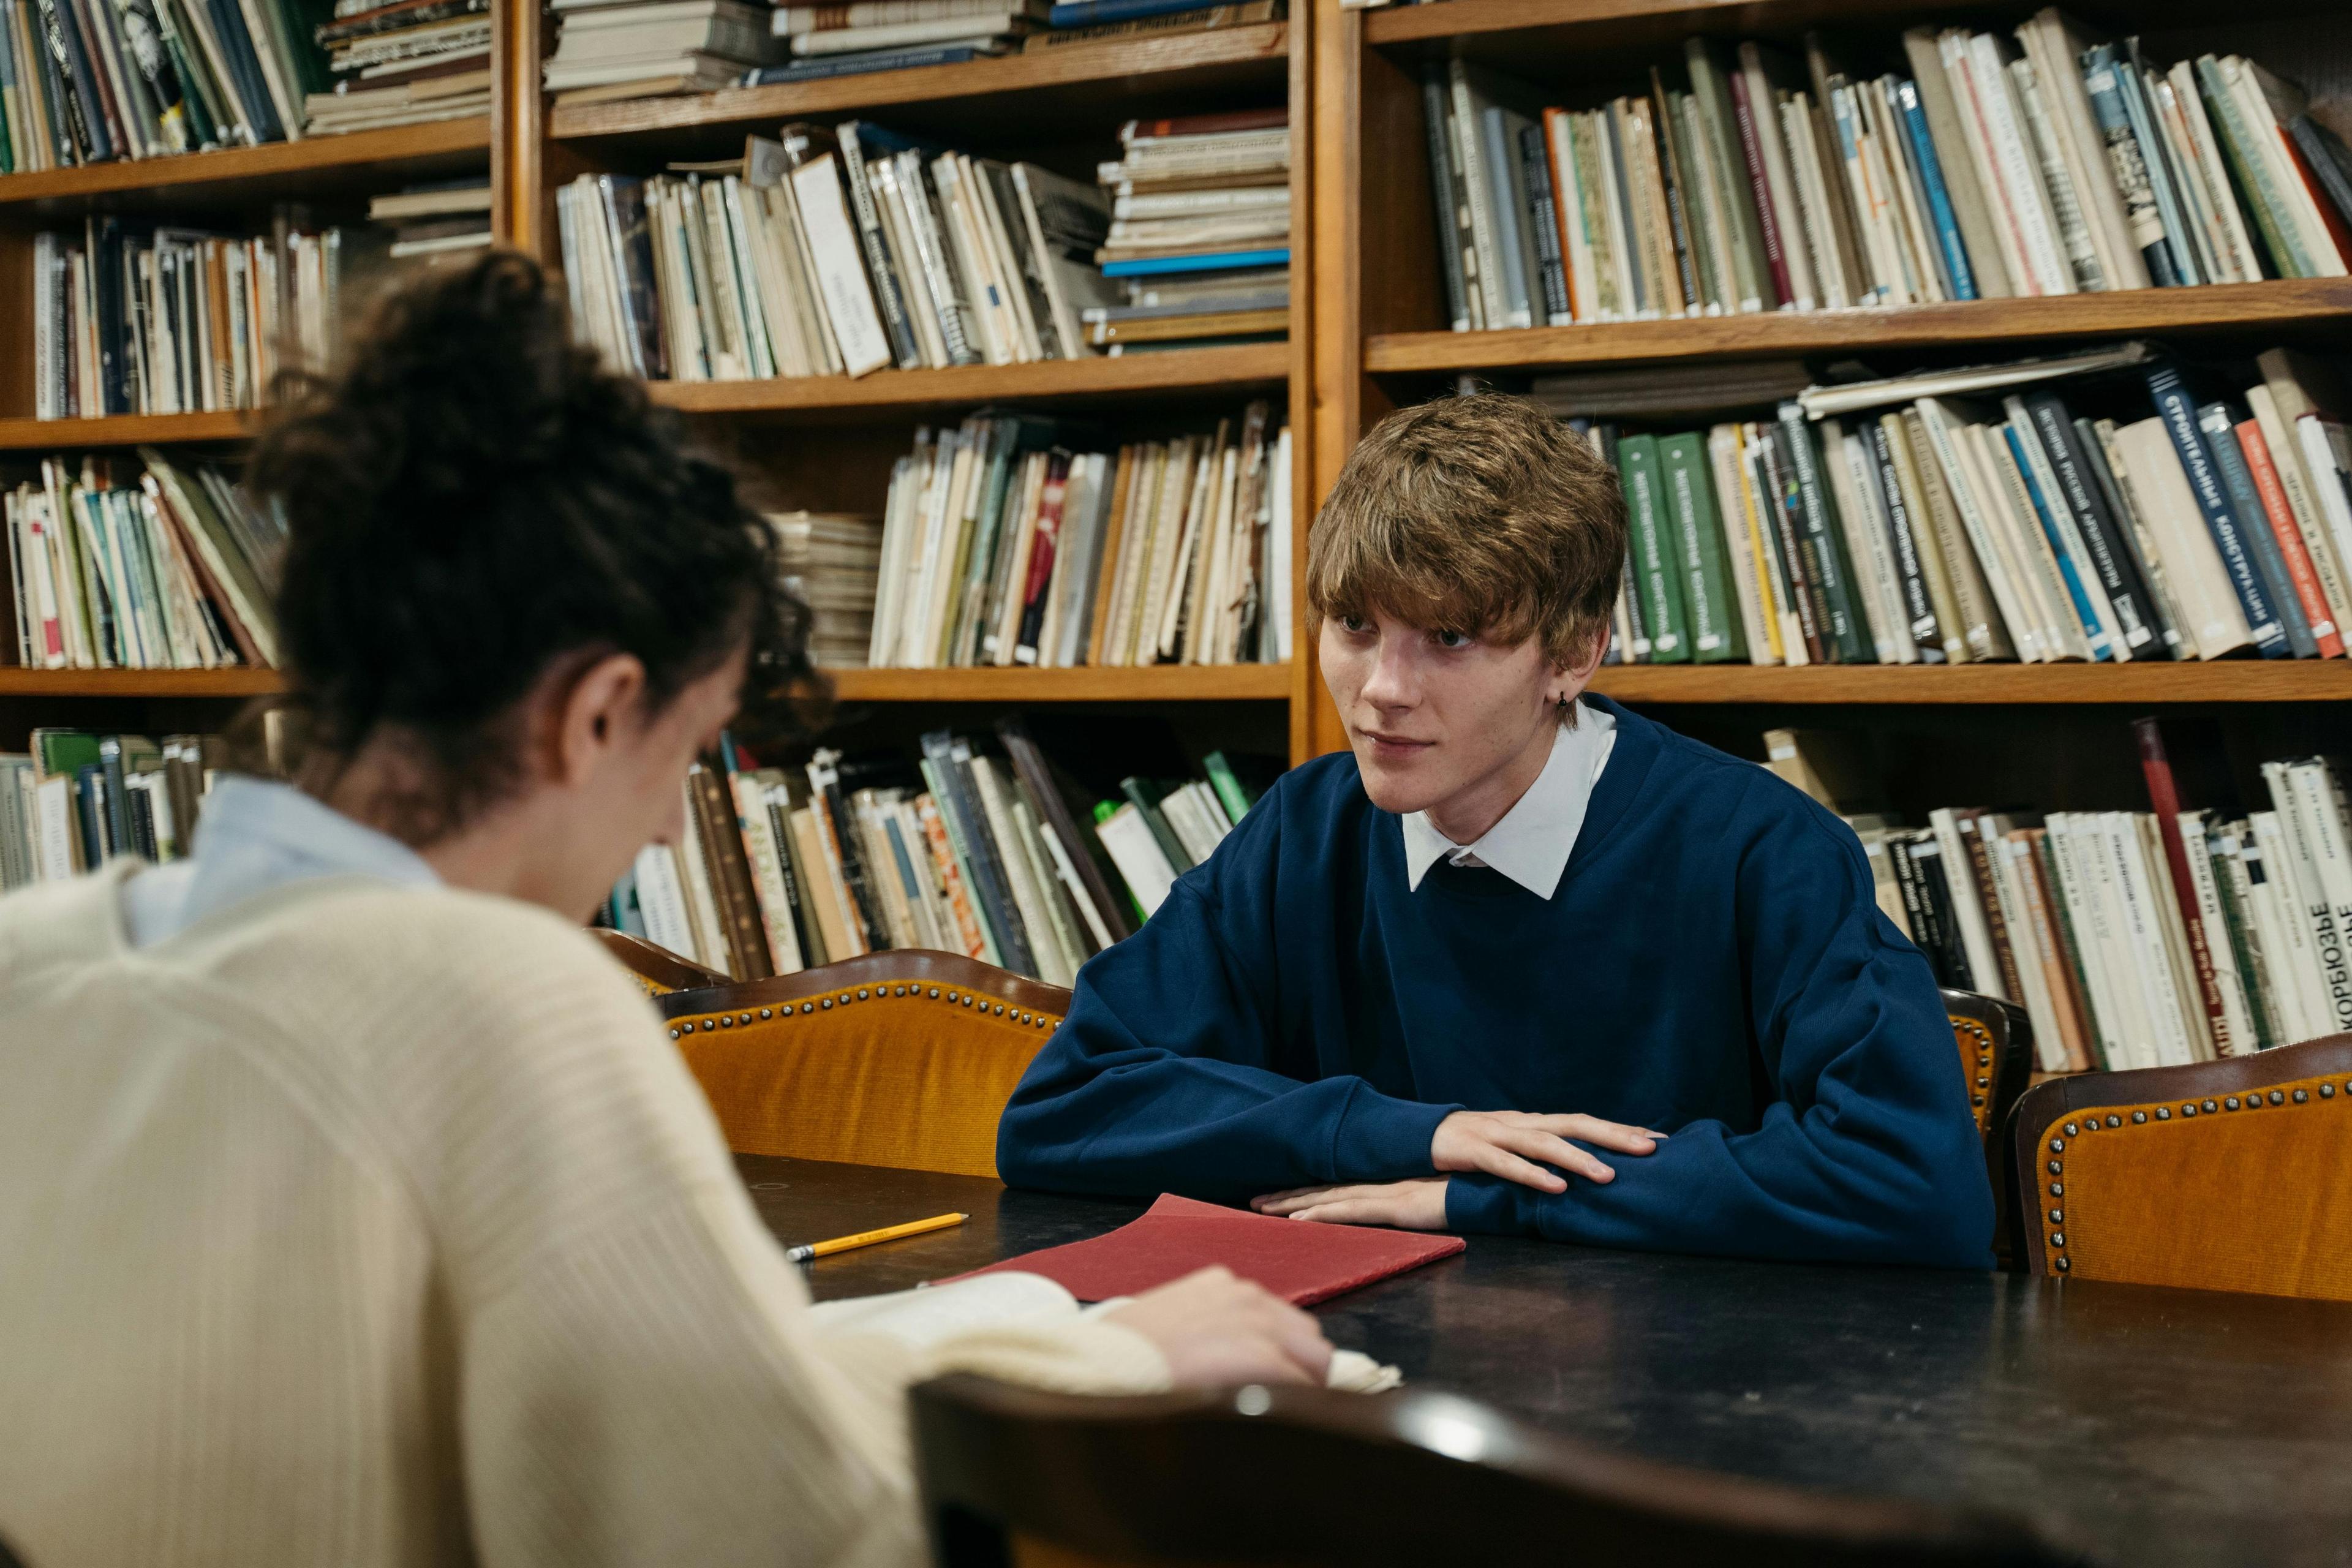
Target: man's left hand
{"x":1417,"y":1204}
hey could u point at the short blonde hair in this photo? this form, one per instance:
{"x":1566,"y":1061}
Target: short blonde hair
{"x":1482,"y":514}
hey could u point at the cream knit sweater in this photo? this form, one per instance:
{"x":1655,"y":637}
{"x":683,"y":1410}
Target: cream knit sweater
{"x":366,"y":1226}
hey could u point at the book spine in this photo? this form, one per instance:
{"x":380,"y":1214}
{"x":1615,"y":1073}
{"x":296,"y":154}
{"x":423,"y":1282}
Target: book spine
{"x":951,"y":879}
{"x":889,"y":297}
{"x":1980,"y":849}
{"x":1654,"y":557}
{"x":2133,"y":89}
{"x":1751,"y":148}
{"x":1948,"y":243}
{"x":2164,"y":799}
{"x":731,"y":878}
{"x":1543,"y":215}
{"x":1180,"y":859}
{"x":1449,"y":248}
{"x":1826,"y":564}
{"x":1904,"y":533}
{"x":2272,"y":499}
{"x":2179,"y":417}
{"x":2233,"y":892}
{"x":1781,"y":494}
{"x":2127,"y":163}
{"x":1509,"y":215}
{"x":2037,"y":511}
{"x":1716,"y":631}
{"x":2118,"y":571}
{"x":2264,"y":199}
{"x":2218,"y":425}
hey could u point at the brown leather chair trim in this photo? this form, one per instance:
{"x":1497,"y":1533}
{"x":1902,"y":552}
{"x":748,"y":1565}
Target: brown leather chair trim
{"x":658,"y":964}
{"x":908,"y":967}
{"x":2054,"y":1102}
{"x":2005,"y":1058}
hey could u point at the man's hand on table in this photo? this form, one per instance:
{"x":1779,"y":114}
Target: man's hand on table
{"x":1517,"y":1145}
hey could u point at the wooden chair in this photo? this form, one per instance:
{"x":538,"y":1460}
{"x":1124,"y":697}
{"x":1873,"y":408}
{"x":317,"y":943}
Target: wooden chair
{"x":2228,"y":1175}
{"x":1011,"y":1478}
{"x":903,"y":1060}
{"x":1995,"y":1039}
{"x":657,"y":969}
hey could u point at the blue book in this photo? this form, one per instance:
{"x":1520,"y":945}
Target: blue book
{"x":1939,"y":201}
{"x":1215,"y":261}
{"x":2180,"y":416}
{"x":2218,"y":422}
{"x":858,"y":65}
{"x":2100,"y":81}
{"x":1086,"y":13}
{"x":2068,"y":568}
{"x":2161,"y":177}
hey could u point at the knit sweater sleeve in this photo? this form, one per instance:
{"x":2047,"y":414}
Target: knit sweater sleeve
{"x":638,"y":1378}
{"x":1867,"y":1152}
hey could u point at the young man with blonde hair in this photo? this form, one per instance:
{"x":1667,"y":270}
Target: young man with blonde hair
{"x":1521,"y":960}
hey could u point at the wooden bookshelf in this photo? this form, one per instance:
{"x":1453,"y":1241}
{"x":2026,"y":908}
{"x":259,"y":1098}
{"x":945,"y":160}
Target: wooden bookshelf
{"x":1151,"y":683}
{"x":2227,"y":681}
{"x":244,"y":176}
{"x":1237,"y":372}
{"x":143,"y":683}
{"x":122,"y":430}
{"x":2286,"y":308}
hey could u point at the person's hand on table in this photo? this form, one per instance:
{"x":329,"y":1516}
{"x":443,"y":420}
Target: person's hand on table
{"x":1216,"y":1331}
{"x":1418,"y":1205}
{"x":1517,"y":1145}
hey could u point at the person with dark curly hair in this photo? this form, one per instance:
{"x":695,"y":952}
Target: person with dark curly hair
{"x":354,"y":1209}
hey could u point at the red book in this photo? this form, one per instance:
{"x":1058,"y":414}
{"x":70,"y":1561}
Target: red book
{"x":2305,"y":577}
{"x":2164,"y":800}
{"x":1301,"y":1261}
{"x":1206,"y":124}
{"x":1751,"y":126}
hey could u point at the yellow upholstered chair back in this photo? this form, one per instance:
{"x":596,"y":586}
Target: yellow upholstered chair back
{"x":2228,"y":1176}
{"x":902,"y":1059}
{"x":657,"y":969}
{"x":1996,"y":1045}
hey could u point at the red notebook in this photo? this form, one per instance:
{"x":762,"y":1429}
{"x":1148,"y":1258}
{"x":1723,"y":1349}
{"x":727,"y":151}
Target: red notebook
{"x":1300,"y":1260}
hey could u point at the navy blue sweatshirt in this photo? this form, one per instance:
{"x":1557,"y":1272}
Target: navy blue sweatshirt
{"x":1712,"y":965}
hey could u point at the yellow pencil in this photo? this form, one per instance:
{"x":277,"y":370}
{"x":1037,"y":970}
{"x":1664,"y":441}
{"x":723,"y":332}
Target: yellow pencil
{"x":868,"y":1238}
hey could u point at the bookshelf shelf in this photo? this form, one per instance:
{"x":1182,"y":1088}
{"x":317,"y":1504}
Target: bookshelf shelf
{"x":2226,"y":681}
{"x":1156,"y":683}
{"x":1073,"y":81}
{"x":235,"y":682}
{"x":316,"y":165}
{"x":122,"y":430}
{"x":1236,"y":369}
{"x":2274,"y":308}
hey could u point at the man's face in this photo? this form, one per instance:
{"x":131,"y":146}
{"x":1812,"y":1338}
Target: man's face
{"x":1440,"y":719}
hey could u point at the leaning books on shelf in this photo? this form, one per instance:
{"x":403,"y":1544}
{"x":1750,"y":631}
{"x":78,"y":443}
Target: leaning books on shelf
{"x":1199,"y":233}
{"x":832,"y":563}
{"x":611,"y":49}
{"x":437,"y":218}
{"x":1005,"y":543}
{"x":2136,"y":938}
{"x":964,"y":851}
{"x":93,"y":81}
{"x":78,"y":800}
{"x":406,"y":63}
{"x":130,"y":320}
{"x":1957,"y":516}
{"x":2043,"y":161}
{"x":170,"y":568}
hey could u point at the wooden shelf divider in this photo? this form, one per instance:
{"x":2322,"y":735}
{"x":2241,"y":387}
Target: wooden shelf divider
{"x":238,"y":682}
{"x":2275,"y":305}
{"x":1155,"y":683}
{"x":269,"y":165}
{"x":1184,"y":370}
{"x":2224,"y":681}
{"x":123,"y":430}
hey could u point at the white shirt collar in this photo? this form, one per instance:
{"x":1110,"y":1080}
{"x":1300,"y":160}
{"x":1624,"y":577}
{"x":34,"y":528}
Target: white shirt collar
{"x":1533,"y":841}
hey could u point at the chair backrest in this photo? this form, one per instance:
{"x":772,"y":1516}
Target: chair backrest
{"x":1307,"y":1477}
{"x":2228,"y":1175}
{"x":657,"y":969}
{"x":1995,"y":1039}
{"x":903,"y":1058}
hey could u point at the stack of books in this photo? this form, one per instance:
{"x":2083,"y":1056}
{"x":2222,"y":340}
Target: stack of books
{"x":1093,"y":21}
{"x":2142,"y":512}
{"x":2135,"y":939}
{"x":830,"y":252}
{"x":832,"y":563}
{"x":172,"y":568}
{"x":848,"y":39}
{"x":77,"y":800}
{"x":132,"y":319}
{"x":92,"y":80}
{"x":1201,"y":223}
{"x":2045,"y":163}
{"x":611,"y":49}
{"x":404,"y":64}
{"x":1000,"y":858}
{"x":435,"y":218}
{"x":1006,"y":543}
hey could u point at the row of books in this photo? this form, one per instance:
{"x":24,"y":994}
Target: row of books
{"x":2133,"y":938}
{"x":1005,"y":545}
{"x":1203,"y":200}
{"x":168,"y":568}
{"x":2049,"y":163}
{"x":832,"y":562}
{"x":830,"y":38}
{"x":76,"y":800}
{"x":609,"y":50}
{"x":825,"y":253}
{"x":434,"y":218}
{"x":130,"y":320}
{"x":405,"y":62}
{"x":1906,"y":521}
{"x":995,"y":857}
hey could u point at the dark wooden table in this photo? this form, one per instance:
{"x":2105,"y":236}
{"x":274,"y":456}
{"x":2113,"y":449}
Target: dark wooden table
{"x":2156,"y":1427}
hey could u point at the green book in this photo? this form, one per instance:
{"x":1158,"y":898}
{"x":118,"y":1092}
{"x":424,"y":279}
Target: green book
{"x":64,"y":752}
{"x":1734,"y":195}
{"x":1228,"y":787}
{"x":2265,"y":203}
{"x":1657,"y":574}
{"x":1146,"y":798}
{"x":1822,"y":535}
{"x":1716,"y":632}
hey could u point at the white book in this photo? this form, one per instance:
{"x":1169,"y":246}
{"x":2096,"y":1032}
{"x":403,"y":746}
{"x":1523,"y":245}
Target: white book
{"x":1973,"y":497}
{"x":1739,"y":542}
{"x":53,"y":802}
{"x":2294,"y":965}
{"x":1953,"y":47}
{"x":701,"y":908}
{"x":2195,"y":1022}
{"x":1976,"y":935}
{"x":2302,"y":504}
{"x":661,"y":898}
{"x":2028,"y":204}
{"x":2097,"y":854}
{"x":2077,"y":245}
{"x":840,"y":270}
{"x":1778,"y":180}
{"x":2237,"y":1005}
{"x":1028,"y":898}
{"x":2108,"y":628}
{"x":2235,"y":242}
{"x":766,"y":858}
{"x":2010,"y":871}
{"x":2144,"y":928}
{"x":1142,"y":864}
{"x":2259,"y":93}
{"x":2211,"y":615}
{"x":2319,"y":809}
{"x":1907,"y":243}
{"x":1813,"y":203}
{"x":1194,"y":832}
{"x":2317,"y":443}
{"x":2016,"y":523}
{"x":1062,"y":919}
{"x":2055,"y":47}
{"x":1865,"y":525}
{"x":2239,"y":862}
